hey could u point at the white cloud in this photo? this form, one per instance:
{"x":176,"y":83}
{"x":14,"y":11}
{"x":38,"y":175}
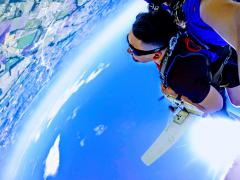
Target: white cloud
{"x":79,"y":83}
{"x":74,"y":113}
{"x":57,"y":106}
{"x":37,"y":136}
{"x":52,"y":160}
{"x":82,"y":142}
{"x":100,"y":129}
{"x":95,"y":73}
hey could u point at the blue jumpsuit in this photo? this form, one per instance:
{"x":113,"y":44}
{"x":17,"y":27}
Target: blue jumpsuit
{"x":197,"y":28}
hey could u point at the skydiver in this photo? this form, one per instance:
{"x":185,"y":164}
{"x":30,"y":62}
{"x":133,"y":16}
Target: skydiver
{"x":207,"y":19}
{"x":188,"y":70}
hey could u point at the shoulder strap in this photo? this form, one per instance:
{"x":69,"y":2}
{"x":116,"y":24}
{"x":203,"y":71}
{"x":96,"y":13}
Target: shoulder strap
{"x":216,"y":79}
{"x":165,"y":62}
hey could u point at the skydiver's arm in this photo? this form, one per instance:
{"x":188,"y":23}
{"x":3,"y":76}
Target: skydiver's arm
{"x":213,"y":102}
{"x":234,"y":95}
{"x":224,"y":17}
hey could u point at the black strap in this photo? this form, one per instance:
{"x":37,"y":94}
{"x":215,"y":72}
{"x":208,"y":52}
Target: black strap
{"x":164,"y":69}
{"x":216,"y":79}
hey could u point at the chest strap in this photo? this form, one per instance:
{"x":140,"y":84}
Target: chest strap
{"x":165,"y":62}
{"x":216,"y":78}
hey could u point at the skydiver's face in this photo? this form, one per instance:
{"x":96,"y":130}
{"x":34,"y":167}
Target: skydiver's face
{"x":142,"y":52}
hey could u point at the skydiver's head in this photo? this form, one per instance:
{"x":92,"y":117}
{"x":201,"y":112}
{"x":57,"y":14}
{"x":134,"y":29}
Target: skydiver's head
{"x":150,"y":36}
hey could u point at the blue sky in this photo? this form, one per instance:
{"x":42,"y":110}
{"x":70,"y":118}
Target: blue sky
{"x":123,"y":100}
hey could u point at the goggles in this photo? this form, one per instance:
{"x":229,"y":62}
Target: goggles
{"x":138,"y":52}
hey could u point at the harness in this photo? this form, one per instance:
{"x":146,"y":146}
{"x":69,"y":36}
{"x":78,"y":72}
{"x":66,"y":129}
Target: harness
{"x":164,"y":71}
{"x":168,"y":62}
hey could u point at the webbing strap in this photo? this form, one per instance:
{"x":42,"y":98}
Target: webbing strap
{"x":164,"y":63}
{"x":216,"y":77}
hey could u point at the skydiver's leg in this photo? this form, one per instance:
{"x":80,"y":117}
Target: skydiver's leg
{"x":230,"y":79}
{"x":223,"y":16}
{"x":234,"y":95}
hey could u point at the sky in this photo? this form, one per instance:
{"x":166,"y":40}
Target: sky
{"x":103,"y":122}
